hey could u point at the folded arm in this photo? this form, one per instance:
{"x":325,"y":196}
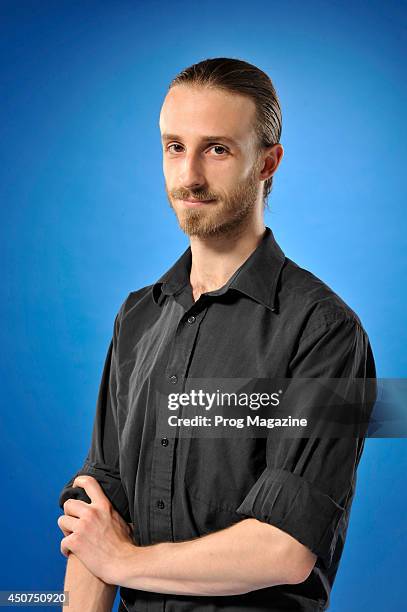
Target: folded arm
{"x":86,"y":591}
{"x":247,"y":556}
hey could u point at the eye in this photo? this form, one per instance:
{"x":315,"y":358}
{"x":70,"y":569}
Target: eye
{"x":220,"y":147}
{"x":173,"y":145}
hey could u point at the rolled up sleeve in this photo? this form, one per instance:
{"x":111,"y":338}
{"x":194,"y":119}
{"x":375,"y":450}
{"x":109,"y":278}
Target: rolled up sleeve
{"x":308,"y":484}
{"x":102,"y":461}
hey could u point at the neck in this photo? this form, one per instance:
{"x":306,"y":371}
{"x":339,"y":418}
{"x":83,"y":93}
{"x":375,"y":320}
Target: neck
{"x":216,"y":258}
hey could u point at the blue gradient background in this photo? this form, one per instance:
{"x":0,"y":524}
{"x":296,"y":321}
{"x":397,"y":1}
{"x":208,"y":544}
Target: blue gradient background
{"x":85,"y":220}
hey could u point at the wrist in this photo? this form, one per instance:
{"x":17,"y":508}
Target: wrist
{"x":140,"y":564}
{"x":124,"y":566}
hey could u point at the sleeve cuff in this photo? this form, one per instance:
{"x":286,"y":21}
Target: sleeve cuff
{"x":296,"y":506}
{"x":108,"y":480}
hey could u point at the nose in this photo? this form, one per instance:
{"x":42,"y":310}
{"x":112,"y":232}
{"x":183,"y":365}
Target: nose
{"x":191,"y":176}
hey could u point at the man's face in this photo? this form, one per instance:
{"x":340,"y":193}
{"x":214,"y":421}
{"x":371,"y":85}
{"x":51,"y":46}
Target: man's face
{"x":210,"y":153}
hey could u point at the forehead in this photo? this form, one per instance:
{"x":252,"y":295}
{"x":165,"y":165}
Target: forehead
{"x":199,"y":111}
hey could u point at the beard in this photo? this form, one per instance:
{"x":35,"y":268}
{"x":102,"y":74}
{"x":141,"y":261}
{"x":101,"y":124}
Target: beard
{"x":222,"y":217}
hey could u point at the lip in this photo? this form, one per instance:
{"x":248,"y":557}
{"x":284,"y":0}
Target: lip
{"x":196,"y":202}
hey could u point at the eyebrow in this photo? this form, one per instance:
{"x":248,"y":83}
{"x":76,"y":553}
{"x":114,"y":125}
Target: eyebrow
{"x":166,"y":137}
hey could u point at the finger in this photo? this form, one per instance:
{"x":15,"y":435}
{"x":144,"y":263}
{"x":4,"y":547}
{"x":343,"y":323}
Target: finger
{"x":67,"y":524}
{"x":68,"y":544}
{"x":92,"y":488}
{"x":75,"y":507}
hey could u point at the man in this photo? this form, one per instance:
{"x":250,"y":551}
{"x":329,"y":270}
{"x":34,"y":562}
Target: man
{"x":193,"y":523}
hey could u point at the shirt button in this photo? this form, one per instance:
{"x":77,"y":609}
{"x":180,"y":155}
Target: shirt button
{"x":164,"y":441}
{"x":173,"y":379}
{"x":160,"y":504}
{"x":191,"y":319}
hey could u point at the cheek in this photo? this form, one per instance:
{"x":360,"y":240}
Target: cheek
{"x":248,"y":170}
{"x":170,"y":182}
{"x":171,"y":171}
{"x":225,"y":174}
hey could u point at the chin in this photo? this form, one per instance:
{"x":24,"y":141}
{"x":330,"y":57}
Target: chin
{"x":206,"y":230}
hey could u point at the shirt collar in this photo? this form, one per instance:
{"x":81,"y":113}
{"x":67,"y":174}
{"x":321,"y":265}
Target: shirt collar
{"x":257,"y":277}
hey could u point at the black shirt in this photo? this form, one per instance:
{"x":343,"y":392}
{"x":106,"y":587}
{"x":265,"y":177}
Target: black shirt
{"x":271,"y":319}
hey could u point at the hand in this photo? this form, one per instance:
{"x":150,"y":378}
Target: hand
{"x":96,"y":533}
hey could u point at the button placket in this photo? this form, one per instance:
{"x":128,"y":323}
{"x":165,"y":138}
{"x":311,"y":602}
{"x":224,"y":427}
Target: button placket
{"x":163,"y":458}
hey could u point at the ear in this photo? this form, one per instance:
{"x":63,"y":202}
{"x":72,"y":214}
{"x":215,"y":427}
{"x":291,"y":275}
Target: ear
{"x":272,"y":157}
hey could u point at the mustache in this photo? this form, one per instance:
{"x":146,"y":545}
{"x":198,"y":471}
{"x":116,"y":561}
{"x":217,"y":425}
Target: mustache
{"x":181,"y":194}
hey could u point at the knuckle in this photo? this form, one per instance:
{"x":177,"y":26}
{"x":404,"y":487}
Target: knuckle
{"x":82,"y":478}
{"x":105,"y":506}
{"x":87,"y":514}
{"x":84,"y":523}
